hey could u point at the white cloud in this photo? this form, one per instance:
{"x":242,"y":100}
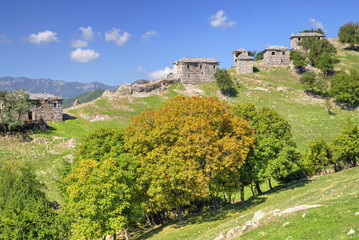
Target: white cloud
{"x":4,"y":39}
{"x":43,"y":37}
{"x":149,"y":34}
{"x":79,"y":43}
{"x":316,"y":23}
{"x":162,"y":73}
{"x":84,"y":55}
{"x":220,"y":20}
{"x":87,"y":33}
{"x":115,"y":36}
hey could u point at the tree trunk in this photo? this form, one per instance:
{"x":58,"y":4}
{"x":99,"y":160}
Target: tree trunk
{"x":252,"y":189}
{"x":242,"y":193}
{"x":126,"y":235}
{"x":179,"y":213}
{"x":114,"y":236}
{"x":270,"y":184}
{"x":215,"y":203}
{"x":258,"y":189}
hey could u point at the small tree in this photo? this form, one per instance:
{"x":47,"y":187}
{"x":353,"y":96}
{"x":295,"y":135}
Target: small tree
{"x":224,"y":82}
{"x":349,"y":33}
{"x":317,"y":156}
{"x":298,"y":60}
{"x":345,"y":87}
{"x":259,"y":56}
{"x":308,"y":80}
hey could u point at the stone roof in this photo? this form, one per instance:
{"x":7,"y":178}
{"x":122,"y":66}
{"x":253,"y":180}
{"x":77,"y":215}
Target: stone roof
{"x":307,"y":34}
{"x":196,"y":60}
{"x":244,"y":57}
{"x":40,"y":96}
{"x":240,"y":50}
{"x":276,"y":48}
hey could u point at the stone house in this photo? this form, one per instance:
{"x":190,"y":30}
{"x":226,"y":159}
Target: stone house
{"x":297,"y":38}
{"x":242,"y":61}
{"x":276,"y":56}
{"x":194,"y":70}
{"x":46,"y":107}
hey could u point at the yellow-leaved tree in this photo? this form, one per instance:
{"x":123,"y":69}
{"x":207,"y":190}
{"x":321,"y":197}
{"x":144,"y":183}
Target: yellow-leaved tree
{"x":183,"y":145}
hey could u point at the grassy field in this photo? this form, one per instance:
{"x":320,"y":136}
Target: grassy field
{"x":338,"y":193}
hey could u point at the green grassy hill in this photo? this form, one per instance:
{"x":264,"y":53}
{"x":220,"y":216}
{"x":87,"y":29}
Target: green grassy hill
{"x":275,"y":87}
{"x":83,"y":98}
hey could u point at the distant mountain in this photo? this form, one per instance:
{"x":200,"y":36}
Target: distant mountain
{"x":55,"y":87}
{"x":83,"y":98}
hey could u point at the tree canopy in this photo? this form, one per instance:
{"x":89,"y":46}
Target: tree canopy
{"x":349,"y":33}
{"x":224,"y":82}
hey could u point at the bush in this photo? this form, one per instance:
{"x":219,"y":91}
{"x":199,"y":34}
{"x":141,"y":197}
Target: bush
{"x":225,"y":82}
{"x":345,"y":87}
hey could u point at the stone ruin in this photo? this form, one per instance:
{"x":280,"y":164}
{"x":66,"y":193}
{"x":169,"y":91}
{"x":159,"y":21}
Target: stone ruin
{"x":242,"y":61}
{"x":276,"y":56}
{"x":46,"y":107}
{"x":295,"y":39}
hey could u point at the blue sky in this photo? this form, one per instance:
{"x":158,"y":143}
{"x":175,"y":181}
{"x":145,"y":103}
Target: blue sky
{"x":118,"y":42}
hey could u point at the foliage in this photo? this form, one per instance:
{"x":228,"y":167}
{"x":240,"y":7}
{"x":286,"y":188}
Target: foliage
{"x":298,"y":59}
{"x":308,"y":79}
{"x":346,"y":145}
{"x":252,"y":53}
{"x":224,"y":82}
{"x":184,"y":145}
{"x":345,"y":87}
{"x":25,"y":213}
{"x":83,"y":98}
{"x":259,"y":56}
{"x":101,"y":196}
{"x":349,"y":33}
{"x":274,"y":155}
{"x":13,"y":106}
{"x":318,"y":30}
{"x":317,"y":156}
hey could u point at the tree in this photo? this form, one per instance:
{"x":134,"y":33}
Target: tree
{"x":184,"y":145}
{"x":308,"y":80}
{"x":224,"y":82}
{"x":259,"y":56}
{"x":325,"y":63}
{"x":102,"y":197}
{"x":317,"y":156}
{"x":345,"y":87}
{"x":346,"y":145}
{"x":272,"y":136}
{"x":349,"y":33}
{"x":298,"y":59}
{"x":25,"y":213}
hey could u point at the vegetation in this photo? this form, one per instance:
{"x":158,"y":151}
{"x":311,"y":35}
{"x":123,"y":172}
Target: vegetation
{"x":349,"y":33}
{"x":298,"y":59}
{"x":83,"y":98}
{"x":224,"y":82}
{"x":345,"y":87}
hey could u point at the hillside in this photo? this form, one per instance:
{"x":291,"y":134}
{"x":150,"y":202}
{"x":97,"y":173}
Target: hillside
{"x":83,"y":98}
{"x":55,"y":87}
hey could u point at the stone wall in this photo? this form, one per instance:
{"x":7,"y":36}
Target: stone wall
{"x":196,"y":72}
{"x":46,"y":110}
{"x":244,"y":66}
{"x":276,"y":58}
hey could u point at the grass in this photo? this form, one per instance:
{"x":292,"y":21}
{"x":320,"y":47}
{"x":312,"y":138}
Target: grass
{"x":338,"y":193}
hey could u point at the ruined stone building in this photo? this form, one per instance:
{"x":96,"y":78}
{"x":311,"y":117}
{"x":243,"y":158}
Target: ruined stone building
{"x":297,"y":38}
{"x":242,"y":61}
{"x":193,"y":70}
{"x":46,"y":107}
{"x":276,"y":56}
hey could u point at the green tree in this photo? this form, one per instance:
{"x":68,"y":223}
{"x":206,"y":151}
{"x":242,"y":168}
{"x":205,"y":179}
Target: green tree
{"x":25,"y":213}
{"x":345,"y":87}
{"x":259,"y":56}
{"x":102,"y":197}
{"x":298,"y":59}
{"x":272,"y":136}
{"x":224,"y":82}
{"x":317,"y":156}
{"x":308,"y":80}
{"x":349,"y":33}
{"x":184,"y":145}
{"x":346,"y":145}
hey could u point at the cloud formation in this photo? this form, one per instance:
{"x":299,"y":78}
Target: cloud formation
{"x":87,"y":33}
{"x":220,"y":20}
{"x":84,"y":55}
{"x":316,"y":24}
{"x":115,"y":36}
{"x":43,"y":37}
{"x":79,"y":43}
{"x":162,"y":73}
{"x":4,"y":39}
{"x":149,"y":34}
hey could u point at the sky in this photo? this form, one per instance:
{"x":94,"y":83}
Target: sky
{"x":116,"y":41}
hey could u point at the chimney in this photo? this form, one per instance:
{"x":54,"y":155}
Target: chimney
{"x":213,"y":58}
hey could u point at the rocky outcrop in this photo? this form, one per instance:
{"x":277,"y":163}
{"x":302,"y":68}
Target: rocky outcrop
{"x":76,"y":103}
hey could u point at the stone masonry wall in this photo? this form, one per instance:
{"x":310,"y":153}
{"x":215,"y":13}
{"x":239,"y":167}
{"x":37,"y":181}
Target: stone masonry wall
{"x":47,"y":110}
{"x":244,"y":66}
{"x":294,"y":42}
{"x":197,"y":73}
{"x":276,"y":58}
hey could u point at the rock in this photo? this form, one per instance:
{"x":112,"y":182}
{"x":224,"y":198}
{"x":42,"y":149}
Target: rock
{"x":248,"y":225}
{"x":232,"y":232}
{"x":304,"y":215}
{"x":286,"y":224}
{"x":220,"y":237}
{"x":275,"y":212}
{"x":258,"y":216}
{"x":357,"y":214}
{"x":124,"y":90}
{"x":301,"y":207}
{"x":351,"y":232}
{"x":76,"y":103}
{"x":40,"y":140}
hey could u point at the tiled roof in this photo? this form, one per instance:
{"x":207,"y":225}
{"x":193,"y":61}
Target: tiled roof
{"x":38,"y":96}
{"x":276,"y":48}
{"x":196,"y":59}
{"x":308,"y":34}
